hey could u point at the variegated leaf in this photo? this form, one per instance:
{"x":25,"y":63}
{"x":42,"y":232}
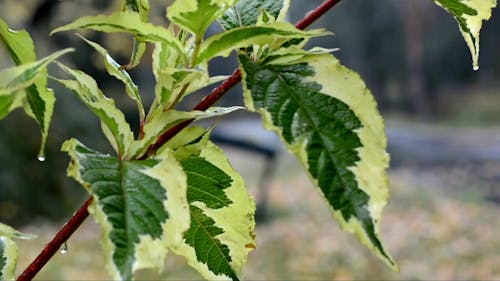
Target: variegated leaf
{"x":8,"y":258}
{"x":273,"y":34}
{"x":197,"y":15}
{"x":8,"y":251}
{"x":9,"y":102}
{"x":326,"y":116}
{"x":19,"y":77}
{"x":126,"y":21}
{"x":164,"y":120}
{"x":115,"y":127}
{"x":116,"y":70}
{"x":470,"y":15}
{"x":247,"y":12}
{"x":141,"y":7}
{"x":222,"y":227}
{"x":40,"y":99}
{"x":140,"y":205}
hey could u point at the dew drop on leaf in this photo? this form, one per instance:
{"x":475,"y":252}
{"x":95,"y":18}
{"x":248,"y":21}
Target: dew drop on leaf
{"x":475,"y":67}
{"x":41,"y":157}
{"x":64,"y":248}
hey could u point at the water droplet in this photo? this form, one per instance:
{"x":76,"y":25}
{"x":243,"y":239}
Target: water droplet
{"x":41,"y":157}
{"x":475,"y":67}
{"x":64,"y":248}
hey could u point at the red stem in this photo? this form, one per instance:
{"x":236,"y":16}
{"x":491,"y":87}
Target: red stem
{"x":53,"y":246}
{"x":77,"y":219}
{"x":315,"y":14}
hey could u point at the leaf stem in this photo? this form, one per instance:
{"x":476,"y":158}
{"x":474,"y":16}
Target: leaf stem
{"x":53,"y":246}
{"x":81,"y":214}
{"x":192,"y":64}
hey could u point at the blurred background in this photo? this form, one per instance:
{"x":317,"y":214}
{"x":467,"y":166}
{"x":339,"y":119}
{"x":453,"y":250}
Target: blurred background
{"x":442,"y":122}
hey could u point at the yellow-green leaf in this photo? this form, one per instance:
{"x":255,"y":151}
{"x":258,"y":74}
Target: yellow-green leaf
{"x":114,"y":125}
{"x":40,"y":99}
{"x":470,"y":15}
{"x":141,"y":7}
{"x":125,"y":21}
{"x":116,"y":70}
{"x":8,"y":250}
{"x":165,"y":120}
{"x":222,"y":227}
{"x":273,"y":35}
{"x":197,"y":15}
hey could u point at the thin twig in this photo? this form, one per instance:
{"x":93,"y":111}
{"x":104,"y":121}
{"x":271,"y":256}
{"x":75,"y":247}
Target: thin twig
{"x":77,"y":219}
{"x":53,"y":246}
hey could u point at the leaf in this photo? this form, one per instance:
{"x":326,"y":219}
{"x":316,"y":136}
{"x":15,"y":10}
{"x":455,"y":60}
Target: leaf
{"x":470,"y":15}
{"x":222,"y":227}
{"x":18,"y":43}
{"x":19,"y":77}
{"x":223,"y":44}
{"x":10,"y":102}
{"x":166,"y":120}
{"x":8,"y":251}
{"x":115,"y":70}
{"x":197,"y":15}
{"x":115,"y":127}
{"x":8,"y":258}
{"x":328,"y":119}
{"x":164,"y":58}
{"x":126,"y":21}
{"x":140,"y":205}
{"x":138,"y":6}
{"x":246,"y":12}
{"x":40,"y":100}
{"x":141,"y":7}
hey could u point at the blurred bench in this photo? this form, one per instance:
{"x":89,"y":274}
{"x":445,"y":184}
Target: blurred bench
{"x":249,"y":135}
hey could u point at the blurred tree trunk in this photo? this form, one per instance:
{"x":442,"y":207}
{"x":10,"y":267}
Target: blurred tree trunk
{"x":414,"y":29}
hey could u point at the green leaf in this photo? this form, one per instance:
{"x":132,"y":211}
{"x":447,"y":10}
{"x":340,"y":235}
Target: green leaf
{"x":115,"y":127}
{"x":8,"y":251}
{"x":165,"y":120}
{"x":273,"y":34}
{"x":140,"y":205}
{"x":470,"y":15}
{"x":18,"y":43}
{"x":115,"y":70}
{"x":197,"y":15}
{"x":326,"y":116}
{"x":126,"y":21}
{"x":247,"y":12}
{"x":222,"y":227}
{"x":10,"y":102}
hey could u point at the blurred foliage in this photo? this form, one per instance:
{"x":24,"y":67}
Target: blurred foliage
{"x":371,"y":38}
{"x":370,"y":35}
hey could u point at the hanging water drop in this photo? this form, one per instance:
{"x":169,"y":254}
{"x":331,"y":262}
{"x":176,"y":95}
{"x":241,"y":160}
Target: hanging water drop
{"x":475,"y":67}
{"x":64,"y":248}
{"x":41,"y":157}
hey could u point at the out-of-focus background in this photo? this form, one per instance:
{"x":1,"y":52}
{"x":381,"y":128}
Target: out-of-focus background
{"x":443,"y":127}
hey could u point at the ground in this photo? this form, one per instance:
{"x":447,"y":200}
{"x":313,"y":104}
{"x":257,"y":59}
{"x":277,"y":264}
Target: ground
{"x":438,"y":226}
